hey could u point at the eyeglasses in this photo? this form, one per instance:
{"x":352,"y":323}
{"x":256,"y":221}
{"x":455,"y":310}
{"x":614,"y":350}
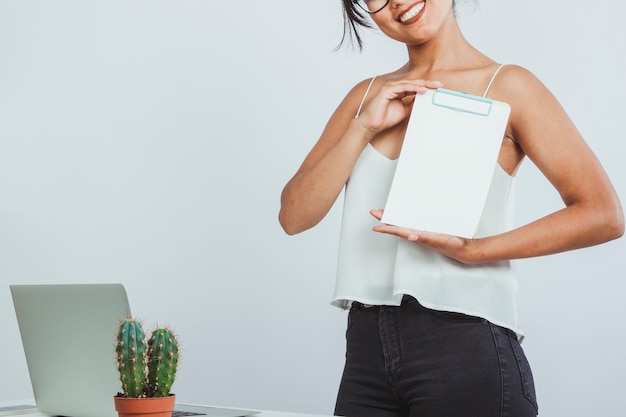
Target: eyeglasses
{"x":371,"y":6}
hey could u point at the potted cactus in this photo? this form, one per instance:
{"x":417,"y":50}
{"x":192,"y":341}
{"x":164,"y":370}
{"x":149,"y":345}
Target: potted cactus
{"x":147,"y":370}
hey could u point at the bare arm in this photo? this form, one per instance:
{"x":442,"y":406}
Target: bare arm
{"x":592,"y":212}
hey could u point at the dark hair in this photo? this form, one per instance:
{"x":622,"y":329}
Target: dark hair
{"x":355,"y":18}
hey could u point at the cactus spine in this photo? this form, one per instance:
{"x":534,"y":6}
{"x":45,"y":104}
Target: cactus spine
{"x":146,"y":369}
{"x":131,"y":353}
{"x":162,"y":362}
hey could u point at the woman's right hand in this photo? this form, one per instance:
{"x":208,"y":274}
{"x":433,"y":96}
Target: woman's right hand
{"x":392,"y":104}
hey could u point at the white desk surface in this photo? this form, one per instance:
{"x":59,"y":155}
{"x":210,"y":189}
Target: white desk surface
{"x":35,"y":413}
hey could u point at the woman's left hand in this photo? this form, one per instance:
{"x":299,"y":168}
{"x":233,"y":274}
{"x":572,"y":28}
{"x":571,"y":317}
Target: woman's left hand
{"x":454,"y":247}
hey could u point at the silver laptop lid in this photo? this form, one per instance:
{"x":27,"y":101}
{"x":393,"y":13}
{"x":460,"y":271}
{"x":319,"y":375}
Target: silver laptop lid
{"x":68,"y":335}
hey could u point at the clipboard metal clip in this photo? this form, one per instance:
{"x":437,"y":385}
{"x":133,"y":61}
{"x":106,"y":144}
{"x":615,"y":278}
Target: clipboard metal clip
{"x":462,"y":101}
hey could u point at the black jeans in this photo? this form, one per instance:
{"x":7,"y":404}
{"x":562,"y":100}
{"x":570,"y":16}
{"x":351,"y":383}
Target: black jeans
{"x":413,"y":361}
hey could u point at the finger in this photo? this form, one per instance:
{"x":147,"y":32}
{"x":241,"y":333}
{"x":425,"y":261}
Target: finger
{"x":377,"y":213}
{"x":426,"y":85}
{"x":413,"y":236}
{"x":390,"y":230}
{"x":432,"y":83}
{"x":422,"y":85}
{"x":393,"y":230}
{"x":417,"y":82}
{"x":408,"y":100}
{"x":399,"y":89}
{"x":403,"y":232}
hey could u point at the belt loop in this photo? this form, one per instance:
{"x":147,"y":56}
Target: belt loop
{"x":407,"y":299}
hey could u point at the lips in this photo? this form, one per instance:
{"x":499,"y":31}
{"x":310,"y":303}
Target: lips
{"x":412,"y":12}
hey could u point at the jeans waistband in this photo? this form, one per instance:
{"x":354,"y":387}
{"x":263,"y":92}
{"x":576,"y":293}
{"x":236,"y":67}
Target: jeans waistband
{"x":405,"y":300}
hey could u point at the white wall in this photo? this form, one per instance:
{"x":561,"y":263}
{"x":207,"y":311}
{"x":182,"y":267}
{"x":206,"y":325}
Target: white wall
{"x":147,"y":142}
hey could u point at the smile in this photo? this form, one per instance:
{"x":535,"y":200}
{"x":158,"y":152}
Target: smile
{"x":413,"y":11}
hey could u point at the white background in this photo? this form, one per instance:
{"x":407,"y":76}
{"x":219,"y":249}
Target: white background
{"x":147,"y":143}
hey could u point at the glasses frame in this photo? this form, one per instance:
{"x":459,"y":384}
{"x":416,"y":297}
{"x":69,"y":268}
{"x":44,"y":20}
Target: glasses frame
{"x":366,"y":10}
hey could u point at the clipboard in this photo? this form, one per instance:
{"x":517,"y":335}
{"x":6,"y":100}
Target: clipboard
{"x":446,"y":163}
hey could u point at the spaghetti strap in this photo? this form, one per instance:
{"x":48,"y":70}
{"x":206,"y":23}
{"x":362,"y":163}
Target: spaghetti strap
{"x":493,"y":77}
{"x":358,"y":112}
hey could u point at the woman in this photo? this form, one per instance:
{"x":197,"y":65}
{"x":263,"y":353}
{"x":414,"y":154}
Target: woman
{"x":433,"y":329}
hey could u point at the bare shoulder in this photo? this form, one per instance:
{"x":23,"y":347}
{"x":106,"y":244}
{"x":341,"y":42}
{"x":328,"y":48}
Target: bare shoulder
{"x":361,"y":90}
{"x":516,"y":85}
{"x":349,"y":106}
{"x":538,"y":122}
{"x":345,"y":112}
{"x":533,"y":106}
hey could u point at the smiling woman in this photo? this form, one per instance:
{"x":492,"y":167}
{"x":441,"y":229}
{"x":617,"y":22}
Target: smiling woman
{"x":147,"y":141}
{"x":433,"y":328}
{"x":354,"y":17}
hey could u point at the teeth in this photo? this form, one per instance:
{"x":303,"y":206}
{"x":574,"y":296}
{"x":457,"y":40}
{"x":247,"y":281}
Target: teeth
{"x":412,"y":13}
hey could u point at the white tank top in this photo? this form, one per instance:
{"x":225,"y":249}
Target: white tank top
{"x":376,"y":268}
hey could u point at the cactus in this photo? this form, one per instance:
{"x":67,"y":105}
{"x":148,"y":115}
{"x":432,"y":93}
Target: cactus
{"x":131,"y":353}
{"x":162,"y":362}
{"x":146,"y":369}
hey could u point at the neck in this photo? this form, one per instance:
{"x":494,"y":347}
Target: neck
{"x":443,"y":52}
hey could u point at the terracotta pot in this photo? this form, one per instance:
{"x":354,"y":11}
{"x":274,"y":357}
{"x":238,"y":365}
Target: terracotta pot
{"x":145,"y":407}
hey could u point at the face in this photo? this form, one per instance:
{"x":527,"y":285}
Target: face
{"x":414,"y":21}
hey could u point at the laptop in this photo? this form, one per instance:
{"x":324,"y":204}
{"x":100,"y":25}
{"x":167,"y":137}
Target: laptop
{"x":68,"y":334}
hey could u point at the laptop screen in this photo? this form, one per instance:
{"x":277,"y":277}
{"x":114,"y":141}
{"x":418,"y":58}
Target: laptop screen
{"x":68,"y":334}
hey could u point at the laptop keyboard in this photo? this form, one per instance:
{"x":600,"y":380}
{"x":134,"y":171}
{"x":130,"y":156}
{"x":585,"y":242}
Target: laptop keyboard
{"x":177,"y":413}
